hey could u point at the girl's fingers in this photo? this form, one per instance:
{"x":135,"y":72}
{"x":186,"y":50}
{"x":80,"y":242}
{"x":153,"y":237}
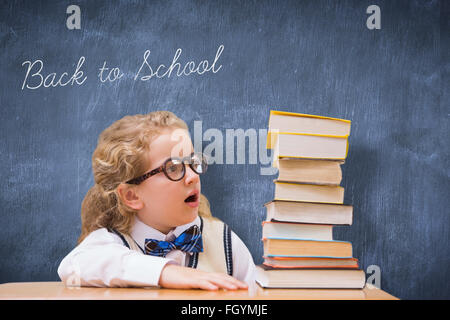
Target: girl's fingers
{"x":234,"y":281}
{"x":182,"y":277}
{"x":227,"y":282}
{"x":222,"y":283}
{"x":206,"y":285}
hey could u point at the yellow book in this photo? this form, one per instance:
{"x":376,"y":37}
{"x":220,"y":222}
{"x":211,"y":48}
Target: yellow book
{"x":290,"y":122}
{"x":308,"y":146}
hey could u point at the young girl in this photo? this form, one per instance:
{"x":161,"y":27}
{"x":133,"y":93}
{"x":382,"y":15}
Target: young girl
{"x":145,"y":221}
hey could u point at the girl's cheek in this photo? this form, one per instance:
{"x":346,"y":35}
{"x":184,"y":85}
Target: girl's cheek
{"x":168,"y":192}
{"x":161,"y":183}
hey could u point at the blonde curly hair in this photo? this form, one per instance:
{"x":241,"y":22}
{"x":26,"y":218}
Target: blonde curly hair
{"x":118,"y":157}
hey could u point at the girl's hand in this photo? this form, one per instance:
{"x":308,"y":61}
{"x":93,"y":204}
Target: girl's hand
{"x":176,"y":277}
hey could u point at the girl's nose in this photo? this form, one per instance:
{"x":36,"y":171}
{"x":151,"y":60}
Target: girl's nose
{"x":191,"y":176}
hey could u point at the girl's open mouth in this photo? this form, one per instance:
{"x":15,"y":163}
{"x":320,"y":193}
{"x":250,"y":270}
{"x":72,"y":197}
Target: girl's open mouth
{"x":193,"y":199}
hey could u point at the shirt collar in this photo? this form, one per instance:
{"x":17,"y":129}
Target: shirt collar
{"x":141,"y":231}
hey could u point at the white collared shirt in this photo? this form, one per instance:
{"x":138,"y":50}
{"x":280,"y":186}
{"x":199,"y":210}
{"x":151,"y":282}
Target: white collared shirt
{"x":101,"y":259}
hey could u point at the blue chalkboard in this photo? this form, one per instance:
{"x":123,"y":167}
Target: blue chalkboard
{"x":316,"y":57}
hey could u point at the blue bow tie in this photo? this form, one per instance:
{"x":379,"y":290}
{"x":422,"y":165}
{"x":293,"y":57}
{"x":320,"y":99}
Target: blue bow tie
{"x":189,"y":241}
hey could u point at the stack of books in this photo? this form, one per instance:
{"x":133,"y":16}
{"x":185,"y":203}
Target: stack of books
{"x":299,"y":249}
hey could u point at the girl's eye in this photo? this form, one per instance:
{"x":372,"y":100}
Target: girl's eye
{"x":172,"y":168}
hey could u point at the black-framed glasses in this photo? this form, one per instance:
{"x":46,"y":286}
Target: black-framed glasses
{"x":175,"y":169}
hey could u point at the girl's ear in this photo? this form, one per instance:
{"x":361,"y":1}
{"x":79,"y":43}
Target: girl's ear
{"x":129,"y":197}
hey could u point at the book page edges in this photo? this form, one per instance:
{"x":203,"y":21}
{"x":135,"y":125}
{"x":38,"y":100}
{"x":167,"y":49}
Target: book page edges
{"x":287,"y":113}
{"x":306,"y":258}
{"x":309,"y":184}
{"x":275,"y":266}
{"x":280,"y":200}
{"x":291,"y":256}
{"x":270,"y":142}
{"x":291,"y":223}
{"x":302,"y":239}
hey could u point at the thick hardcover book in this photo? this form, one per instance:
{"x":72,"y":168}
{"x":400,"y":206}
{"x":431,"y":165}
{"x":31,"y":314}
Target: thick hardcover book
{"x":310,"y":262}
{"x":310,"y":171}
{"x":308,"y":192}
{"x":294,"y":247}
{"x":282,"y":121}
{"x":268,"y":277}
{"x":309,"y":212}
{"x":308,"y":146}
{"x":297,"y":230}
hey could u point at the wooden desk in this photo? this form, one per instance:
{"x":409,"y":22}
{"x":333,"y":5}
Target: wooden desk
{"x":58,"y":291}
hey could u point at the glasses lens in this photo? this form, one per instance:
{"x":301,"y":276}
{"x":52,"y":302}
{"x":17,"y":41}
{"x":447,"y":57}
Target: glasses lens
{"x":199,"y":163}
{"x":174,"y":169}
